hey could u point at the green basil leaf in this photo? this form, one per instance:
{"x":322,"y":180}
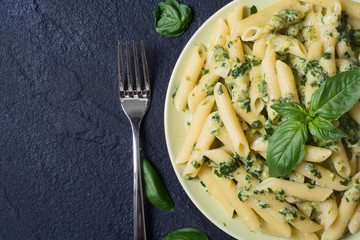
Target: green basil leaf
{"x":154,"y":188}
{"x":172,"y":18}
{"x":186,"y":234}
{"x":336,"y":96}
{"x":291,"y":110}
{"x":286,"y":147}
{"x":324,"y":130}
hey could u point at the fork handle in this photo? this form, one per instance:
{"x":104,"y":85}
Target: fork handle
{"x":139,"y":217}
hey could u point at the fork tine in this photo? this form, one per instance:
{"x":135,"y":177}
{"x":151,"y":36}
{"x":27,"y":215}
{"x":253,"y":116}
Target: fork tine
{"x":128,"y":68}
{"x":145,"y":66}
{"x":137,"y":72}
{"x":120,"y":70}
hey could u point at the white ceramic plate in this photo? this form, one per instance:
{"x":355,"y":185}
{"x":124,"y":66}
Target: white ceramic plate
{"x":175,"y":133}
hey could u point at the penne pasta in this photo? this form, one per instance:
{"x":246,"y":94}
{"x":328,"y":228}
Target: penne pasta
{"x":202,"y":144}
{"x":195,"y":128}
{"x":192,"y":74}
{"x":296,"y":189}
{"x":230,"y":120}
{"x":206,"y":176}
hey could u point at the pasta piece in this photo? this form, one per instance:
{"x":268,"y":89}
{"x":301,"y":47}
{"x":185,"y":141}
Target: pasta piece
{"x":236,"y":51}
{"x":305,"y":207}
{"x":195,"y":128}
{"x":287,"y":213}
{"x":207,"y":177}
{"x":192,"y":73}
{"x":322,"y":175}
{"x":311,"y":31}
{"x":351,"y":8}
{"x":282,"y":229}
{"x":223,"y":136}
{"x":347,"y":208}
{"x":355,"y":112}
{"x":217,"y":155}
{"x":218,"y":38}
{"x":328,"y":63}
{"x":340,"y":160}
{"x":298,"y":235}
{"x":259,"y":145}
{"x":209,"y":80}
{"x":343,"y":50}
{"x":353,"y":164}
{"x":259,"y":48}
{"x":235,"y":17}
{"x":322,"y":3}
{"x":253,"y":33}
{"x":268,"y":67}
{"x":295,"y":189}
{"x":329,"y":211}
{"x":240,"y":177}
{"x":310,"y":88}
{"x":316,"y":50}
{"x":261,"y":17}
{"x":286,"y":44}
{"x":249,"y":117}
{"x":316,"y":154}
{"x":286,"y":82}
{"x":271,"y":230}
{"x":230,"y":120}
{"x":354,"y":224}
{"x":247,"y":215}
{"x":354,"y":22}
{"x":256,"y":103}
{"x":226,"y":149}
{"x":202,"y":90}
{"x":203,"y":143}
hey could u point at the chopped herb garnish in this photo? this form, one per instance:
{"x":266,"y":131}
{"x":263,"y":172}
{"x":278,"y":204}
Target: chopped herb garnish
{"x":263,"y":205}
{"x":326,"y":55}
{"x":256,"y":124}
{"x":195,"y":164}
{"x":220,"y":90}
{"x":253,"y":10}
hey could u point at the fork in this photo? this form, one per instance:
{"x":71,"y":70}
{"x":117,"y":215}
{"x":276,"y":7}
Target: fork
{"x":135,"y":103}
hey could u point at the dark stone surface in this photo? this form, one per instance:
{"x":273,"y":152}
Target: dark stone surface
{"x":65,"y":144}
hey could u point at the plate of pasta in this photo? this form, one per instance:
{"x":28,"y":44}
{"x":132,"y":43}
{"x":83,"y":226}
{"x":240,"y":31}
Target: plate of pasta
{"x":262,"y":118}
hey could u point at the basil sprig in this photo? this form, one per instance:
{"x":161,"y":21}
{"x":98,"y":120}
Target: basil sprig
{"x":283,"y":158}
{"x":172,"y":18}
{"x":323,"y":129}
{"x":186,"y":234}
{"x":154,"y":188}
{"x":291,"y":110}
{"x":334,"y":98}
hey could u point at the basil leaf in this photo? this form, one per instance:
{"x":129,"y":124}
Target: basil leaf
{"x":154,"y":188}
{"x":172,"y":18}
{"x":286,"y":147}
{"x":186,"y":234}
{"x":291,"y":110}
{"x":324,"y":130}
{"x":336,"y":96}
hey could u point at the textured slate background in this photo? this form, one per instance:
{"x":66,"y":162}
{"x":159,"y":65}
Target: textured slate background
{"x":65,"y":144}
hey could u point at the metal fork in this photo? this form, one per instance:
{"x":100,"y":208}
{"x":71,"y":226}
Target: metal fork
{"x":135,"y":103}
